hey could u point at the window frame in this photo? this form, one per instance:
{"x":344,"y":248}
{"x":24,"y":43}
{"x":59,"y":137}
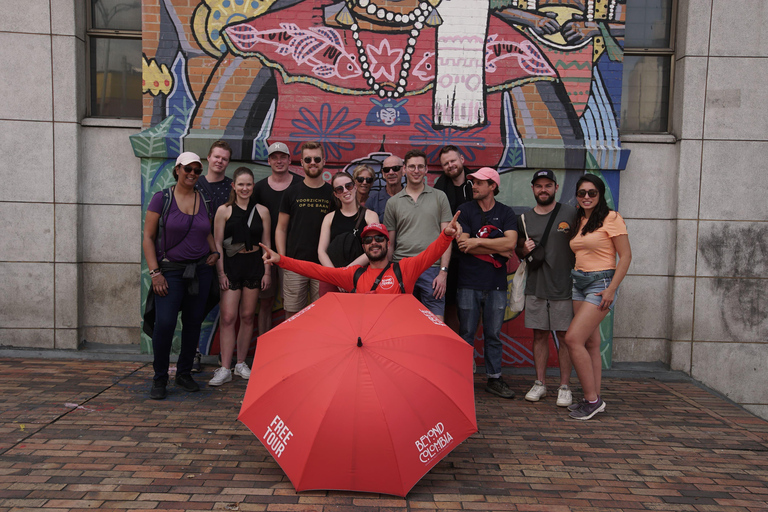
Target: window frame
{"x":668,"y":52}
{"x":101,"y":33}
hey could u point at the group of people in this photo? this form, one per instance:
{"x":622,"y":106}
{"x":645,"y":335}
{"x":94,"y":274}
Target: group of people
{"x":448,"y":245}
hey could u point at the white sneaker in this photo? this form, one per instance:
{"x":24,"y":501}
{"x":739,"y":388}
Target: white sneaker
{"x":564,"y":396}
{"x":242,"y":370}
{"x":220,"y":376}
{"x":538,"y":391}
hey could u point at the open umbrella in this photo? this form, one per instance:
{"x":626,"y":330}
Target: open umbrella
{"x":360,"y":392}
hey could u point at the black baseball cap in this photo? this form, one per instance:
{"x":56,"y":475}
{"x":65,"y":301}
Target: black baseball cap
{"x":543,"y":173}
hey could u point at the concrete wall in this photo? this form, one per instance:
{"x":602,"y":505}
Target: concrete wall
{"x":69,"y":264}
{"x":696,"y":297}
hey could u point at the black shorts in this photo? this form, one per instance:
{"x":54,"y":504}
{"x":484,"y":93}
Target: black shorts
{"x":244,"y":270}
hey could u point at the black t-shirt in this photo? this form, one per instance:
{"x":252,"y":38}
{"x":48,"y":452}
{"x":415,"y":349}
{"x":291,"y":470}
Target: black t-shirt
{"x":475,"y":273}
{"x":271,"y":198}
{"x":307,"y":207}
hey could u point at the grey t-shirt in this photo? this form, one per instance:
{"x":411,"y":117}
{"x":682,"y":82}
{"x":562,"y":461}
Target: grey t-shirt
{"x":553,"y":279}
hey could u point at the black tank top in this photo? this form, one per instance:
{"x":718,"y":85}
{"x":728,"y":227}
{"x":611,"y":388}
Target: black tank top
{"x":343,"y":224}
{"x":237,"y":227}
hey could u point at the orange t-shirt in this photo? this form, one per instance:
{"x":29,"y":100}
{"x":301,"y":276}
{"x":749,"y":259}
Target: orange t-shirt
{"x":595,"y":251}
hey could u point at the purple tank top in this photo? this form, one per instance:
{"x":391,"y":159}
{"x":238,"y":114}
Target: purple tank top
{"x":184,"y":242}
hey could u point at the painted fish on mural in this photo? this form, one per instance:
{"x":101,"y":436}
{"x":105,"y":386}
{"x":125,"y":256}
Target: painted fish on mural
{"x":320,"y":48}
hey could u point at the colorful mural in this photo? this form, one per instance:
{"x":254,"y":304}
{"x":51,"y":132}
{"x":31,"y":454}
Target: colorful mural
{"x":516,"y":84}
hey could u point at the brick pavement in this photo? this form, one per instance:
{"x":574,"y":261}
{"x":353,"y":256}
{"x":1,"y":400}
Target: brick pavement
{"x":82,"y":435}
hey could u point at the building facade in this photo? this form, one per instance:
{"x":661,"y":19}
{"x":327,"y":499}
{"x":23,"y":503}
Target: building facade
{"x":694,"y":298}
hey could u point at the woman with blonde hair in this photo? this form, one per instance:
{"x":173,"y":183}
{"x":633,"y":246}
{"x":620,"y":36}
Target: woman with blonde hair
{"x":364,"y":176}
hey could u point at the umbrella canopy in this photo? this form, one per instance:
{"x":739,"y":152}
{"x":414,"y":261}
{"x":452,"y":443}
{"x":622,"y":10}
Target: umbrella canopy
{"x":360,"y":392}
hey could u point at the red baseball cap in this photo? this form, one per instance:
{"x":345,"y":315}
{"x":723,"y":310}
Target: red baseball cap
{"x":375,"y":228}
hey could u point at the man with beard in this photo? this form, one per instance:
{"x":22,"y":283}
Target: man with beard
{"x":392,"y":172}
{"x":490,"y":231}
{"x":381,"y":275}
{"x":303,"y":207}
{"x":548,"y":304}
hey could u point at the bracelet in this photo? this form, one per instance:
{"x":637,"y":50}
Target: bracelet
{"x":217,"y":253}
{"x":444,"y":269}
{"x":155,"y":272}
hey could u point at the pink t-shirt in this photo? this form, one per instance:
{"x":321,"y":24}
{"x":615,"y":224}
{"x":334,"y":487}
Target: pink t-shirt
{"x":595,"y":251}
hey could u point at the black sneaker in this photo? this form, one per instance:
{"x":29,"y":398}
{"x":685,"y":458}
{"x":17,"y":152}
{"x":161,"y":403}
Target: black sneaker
{"x":498,"y":387}
{"x":196,"y":366}
{"x":588,"y":410}
{"x":158,"y":391}
{"x":577,"y":405}
{"x":187,"y":383}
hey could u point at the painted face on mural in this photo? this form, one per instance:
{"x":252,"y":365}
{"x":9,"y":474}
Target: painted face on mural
{"x":544,"y":191}
{"x":452,"y":164}
{"x":313,"y":162}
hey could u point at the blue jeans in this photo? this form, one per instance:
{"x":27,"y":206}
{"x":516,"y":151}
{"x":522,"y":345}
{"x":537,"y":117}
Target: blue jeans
{"x":167,"y":309}
{"x":492,"y":303}
{"x":424,"y":292}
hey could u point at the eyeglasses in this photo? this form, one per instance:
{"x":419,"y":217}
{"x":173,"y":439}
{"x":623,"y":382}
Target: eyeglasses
{"x":370,"y":238}
{"x":394,"y":168}
{"x":415,"y":167}
{"x":340,"y":189}
{"x":584,"y":192}
{"x":360,"y":179}
{"x":189,"y":169}
{"x":317,"y":159}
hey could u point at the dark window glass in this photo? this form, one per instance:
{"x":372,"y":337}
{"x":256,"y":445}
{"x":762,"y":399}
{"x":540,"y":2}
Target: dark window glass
{"x":648,"y":24}
{"x":116,"y":14}
{"x":645,"y":93}
{"x":115,"y":77}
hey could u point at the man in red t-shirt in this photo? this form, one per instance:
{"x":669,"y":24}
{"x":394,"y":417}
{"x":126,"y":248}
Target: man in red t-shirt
{"x":379,"y":276}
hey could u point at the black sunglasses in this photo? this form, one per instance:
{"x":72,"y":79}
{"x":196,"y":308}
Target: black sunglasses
{"x":340,"y":188}
{"x":189,"y":169}
{"x":394,"y":168}
{"x":584,"y":192}
{"x":370,"y":238}
{"x":360,"y":179}
{"x":317,"y":159}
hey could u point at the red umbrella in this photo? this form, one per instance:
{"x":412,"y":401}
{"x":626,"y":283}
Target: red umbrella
{"x":360,"y":392}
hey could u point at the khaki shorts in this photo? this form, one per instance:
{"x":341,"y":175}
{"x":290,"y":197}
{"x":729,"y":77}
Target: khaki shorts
{"x":295,"y":290}
{"x":548,"y":315}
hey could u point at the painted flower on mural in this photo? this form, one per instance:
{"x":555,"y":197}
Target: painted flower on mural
{"x":432,"y":140}
{"x":333,"y":131}
{"x":155,"y":79}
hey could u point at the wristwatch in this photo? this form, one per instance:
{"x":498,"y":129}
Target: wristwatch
{"x":444,"y":269}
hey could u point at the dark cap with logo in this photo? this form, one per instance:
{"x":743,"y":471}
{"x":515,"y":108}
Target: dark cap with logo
{"x":543,"y":173}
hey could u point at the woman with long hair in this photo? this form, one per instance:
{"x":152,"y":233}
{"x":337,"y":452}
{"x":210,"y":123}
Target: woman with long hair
{"x":364,"y":176}
{"x":180,"y":254}
{"x":601,"y":235}
{"x":239,"y":226}
{"x":340,"y":244}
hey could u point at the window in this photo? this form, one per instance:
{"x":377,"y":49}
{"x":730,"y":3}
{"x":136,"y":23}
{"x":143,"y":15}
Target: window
{"x":114,"y":47}
{"x":648,"y":66}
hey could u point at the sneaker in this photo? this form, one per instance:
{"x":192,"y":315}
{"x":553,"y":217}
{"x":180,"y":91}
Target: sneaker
{"x":187,"y":383}
{"x":220,"y":376}
{"x":588,"y":410}
{"x":158,"y":391}
{"x":242,"y":370}
{"x":499,"y":387}
{"x":564,"y":396}
{"x":537,"y":392}
{"x":196,"y":365}
{"x":576,"y":405}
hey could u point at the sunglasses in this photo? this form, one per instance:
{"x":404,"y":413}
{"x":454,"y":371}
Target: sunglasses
{"x":583,"y":192}
{"x":360,"y":179}
{"x":317,"y":159}
{"x":189,"y":170}
{"x":369,"y":239}
{"x":340,"y":189}
{"x":394,"y":168}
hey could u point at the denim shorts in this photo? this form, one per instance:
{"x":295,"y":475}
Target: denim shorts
{"x":588,"y":293}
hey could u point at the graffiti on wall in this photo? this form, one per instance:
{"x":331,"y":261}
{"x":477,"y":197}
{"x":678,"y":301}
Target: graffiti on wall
{"x":515,"y":84}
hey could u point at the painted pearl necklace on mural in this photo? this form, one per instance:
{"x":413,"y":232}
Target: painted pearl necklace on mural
{"x":415,"y":17}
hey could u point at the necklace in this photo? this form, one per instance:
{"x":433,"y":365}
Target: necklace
{"x":416,"y":17}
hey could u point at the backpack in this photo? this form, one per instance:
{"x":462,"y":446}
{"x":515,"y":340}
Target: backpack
{"x":346,"y":247}
{"x":395,"y":268}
